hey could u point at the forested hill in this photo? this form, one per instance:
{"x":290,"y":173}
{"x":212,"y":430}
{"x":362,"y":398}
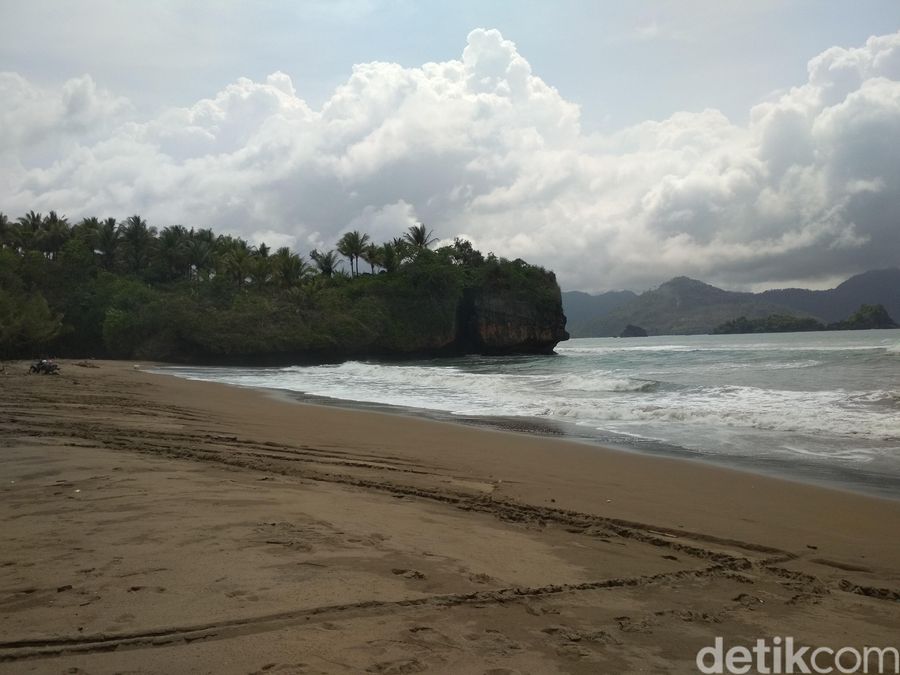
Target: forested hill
{"x":881,"y":287}
{"x":685,"y":306}
{"x":104,"y":288}
{"x":583,"y":310}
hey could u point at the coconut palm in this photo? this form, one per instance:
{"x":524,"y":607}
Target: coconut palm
{"x":288,"y":268}
{"x":86,"y":231}
{"x":260,"y":268}
{"x":27,"y":230}
{"x":352,"y":245}
{"x":237,"y":264}
{"x":54,"y":233}
{"x":327,"y":262}
{"x":108,"y":235}
{"x":389,"y":258}
{"x":403,"y":249}
{"x":200,"y":256}
{"x":372,"y":255}
{"x":139,"y":241}
{"x":419,"y":237}
{"x":5,"y":230}
{"x":173,"y":251}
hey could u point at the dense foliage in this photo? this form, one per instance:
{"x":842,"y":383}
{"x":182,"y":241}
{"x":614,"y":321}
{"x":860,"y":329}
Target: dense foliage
{"x":125,"y":289}
{"x":866,"y":317}
{"x":774,"y":323}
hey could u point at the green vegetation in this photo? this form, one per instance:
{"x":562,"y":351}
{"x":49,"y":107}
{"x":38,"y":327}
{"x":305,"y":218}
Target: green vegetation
{"x":774,"y":323}
{"x":125,"y":289}
{"x":633,"y":331}
{"x":866,"y":317}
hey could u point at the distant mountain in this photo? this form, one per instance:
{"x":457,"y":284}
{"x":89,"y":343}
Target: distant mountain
{"x":583,"y":310}
{"x":878,"y":287}
{"x":687,"y":306}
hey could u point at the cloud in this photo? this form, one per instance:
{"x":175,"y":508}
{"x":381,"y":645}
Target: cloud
{"x":808,"y":189}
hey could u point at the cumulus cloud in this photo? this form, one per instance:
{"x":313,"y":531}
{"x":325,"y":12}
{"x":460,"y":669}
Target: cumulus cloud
{"x":808,"y":189}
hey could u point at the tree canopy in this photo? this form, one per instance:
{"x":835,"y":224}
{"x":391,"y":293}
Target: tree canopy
{"x":111,"y":288}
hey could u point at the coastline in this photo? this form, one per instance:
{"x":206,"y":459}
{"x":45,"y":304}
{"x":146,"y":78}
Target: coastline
{"x":852,"y":480}
{"x":283,"y":532}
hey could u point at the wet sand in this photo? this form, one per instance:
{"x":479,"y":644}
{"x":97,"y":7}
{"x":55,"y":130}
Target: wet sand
{"x":157,"y":525}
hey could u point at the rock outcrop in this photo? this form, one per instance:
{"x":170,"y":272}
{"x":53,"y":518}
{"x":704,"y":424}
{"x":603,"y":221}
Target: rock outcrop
{"x":504,"y":322}
{"x":633,"y":331}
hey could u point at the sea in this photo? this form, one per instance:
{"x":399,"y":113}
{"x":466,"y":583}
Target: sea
{"x":812,"y":407}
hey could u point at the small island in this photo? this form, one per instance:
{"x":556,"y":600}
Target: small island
{"x":633,"y":331}
{"x":867,"y":317}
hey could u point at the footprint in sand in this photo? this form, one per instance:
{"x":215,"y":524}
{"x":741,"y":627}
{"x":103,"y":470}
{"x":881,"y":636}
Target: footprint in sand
{"x":629,"y":625}
{"x":399,"y":667}
{"x":480,"y":578}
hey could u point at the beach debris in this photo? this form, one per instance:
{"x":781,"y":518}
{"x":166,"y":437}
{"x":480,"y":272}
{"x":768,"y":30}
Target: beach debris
{"x":748,"y":600}
{"x":61,"y":589}
{"x":408,"y":574}
{"x":44,"y":367}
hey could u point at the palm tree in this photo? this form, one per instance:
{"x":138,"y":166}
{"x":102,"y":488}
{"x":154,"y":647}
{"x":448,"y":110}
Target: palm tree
{"x":138,"y":240}
{"x":204,"y":234}
{"x":260,"y":268}
{"x":54,"y":233}
{"x":237,"y":264}
{"x":108,"y":242}
{"x":352,"y":245}
{"x":419,"y":237}
{"x":402,"y":248}
{"x":327,"y":262}
{"x":372,"y":255}
{"x":27,"y":230}
{"x":199,"y":256}
{"x":173,"y":250}
{"x":5,"y":230}
{"x":289,"y":268}
{"x":225,"y":243}
{"x":389,"y":257}
{"x":87,"y":231}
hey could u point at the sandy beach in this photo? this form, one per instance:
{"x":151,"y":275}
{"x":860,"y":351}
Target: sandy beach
{"x":158,"y":525}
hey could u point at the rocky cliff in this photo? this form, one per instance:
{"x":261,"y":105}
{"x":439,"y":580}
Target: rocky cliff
{"x":501,"y":321}
{"x":425,"y":309}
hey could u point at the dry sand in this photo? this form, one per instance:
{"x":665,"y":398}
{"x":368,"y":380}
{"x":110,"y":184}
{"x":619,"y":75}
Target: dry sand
{"x":151,"y":524}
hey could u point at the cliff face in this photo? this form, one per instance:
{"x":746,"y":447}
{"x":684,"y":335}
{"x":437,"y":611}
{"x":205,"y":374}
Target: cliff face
{"x":501,"y":321}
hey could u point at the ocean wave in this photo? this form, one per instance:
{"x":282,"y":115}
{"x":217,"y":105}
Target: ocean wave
{"x":592,"y":398}
{"x":833,"y":396}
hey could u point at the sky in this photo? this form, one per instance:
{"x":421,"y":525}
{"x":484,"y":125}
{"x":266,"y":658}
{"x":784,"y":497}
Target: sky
{"x":748,"y":144}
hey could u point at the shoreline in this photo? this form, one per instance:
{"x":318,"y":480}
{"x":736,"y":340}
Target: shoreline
{"x":825,"y":476}
{"x":185,"y":525}
{"x":854,"y":481}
